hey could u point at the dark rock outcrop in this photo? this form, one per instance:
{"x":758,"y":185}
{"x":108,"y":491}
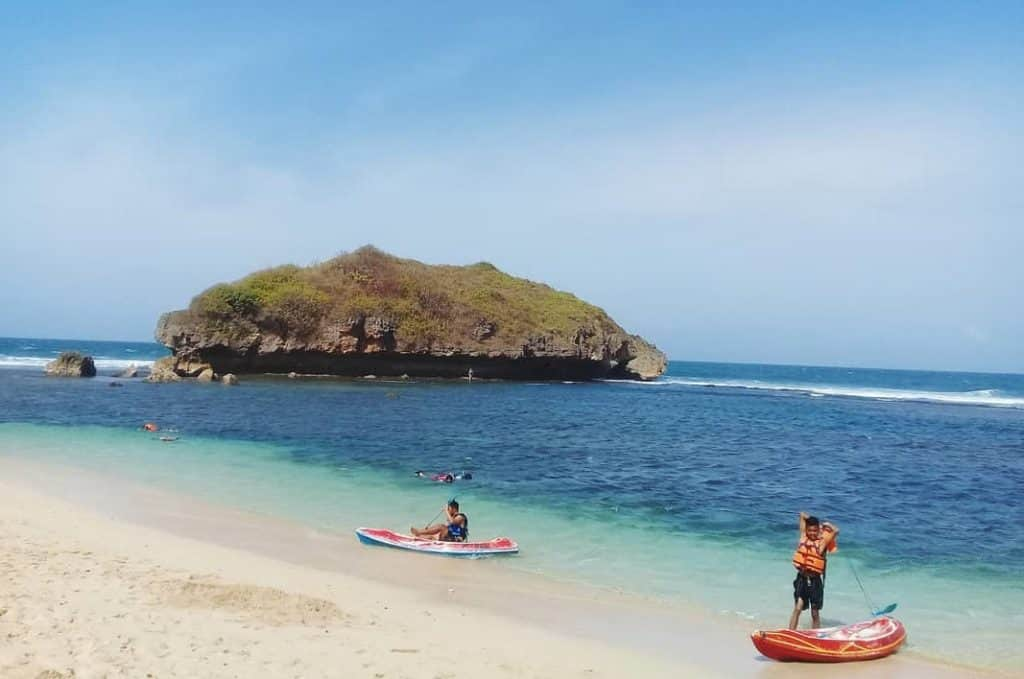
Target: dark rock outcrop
{"x":71,"y":364}
{"x":371,"y":313}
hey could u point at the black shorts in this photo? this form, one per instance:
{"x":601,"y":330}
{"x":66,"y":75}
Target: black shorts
{"x":810,"y":588}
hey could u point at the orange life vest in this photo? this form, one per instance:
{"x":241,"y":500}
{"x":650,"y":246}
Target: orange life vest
{"x":810,"y":554}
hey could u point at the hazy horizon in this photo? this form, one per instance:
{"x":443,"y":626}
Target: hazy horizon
{"x":833,"y":186}
{"x":671,"y":358}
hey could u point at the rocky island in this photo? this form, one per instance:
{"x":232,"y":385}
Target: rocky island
{"x":371,"y":313}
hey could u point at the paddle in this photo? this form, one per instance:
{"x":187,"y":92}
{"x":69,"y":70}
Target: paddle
{"x":874,"y":611}
{"x":451,"y":499}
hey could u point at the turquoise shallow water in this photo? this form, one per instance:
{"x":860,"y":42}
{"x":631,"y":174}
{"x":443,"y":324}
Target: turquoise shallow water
{"x":957,"y":616}
{"x":676,"y":489}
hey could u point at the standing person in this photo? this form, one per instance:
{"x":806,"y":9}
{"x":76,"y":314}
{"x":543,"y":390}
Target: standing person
{"x":817,"y":539}
{"x":455,"y":529}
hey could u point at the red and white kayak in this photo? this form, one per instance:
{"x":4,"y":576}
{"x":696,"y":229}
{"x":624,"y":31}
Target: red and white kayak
{"x":386,"y":538}
{"x":860,"y":641}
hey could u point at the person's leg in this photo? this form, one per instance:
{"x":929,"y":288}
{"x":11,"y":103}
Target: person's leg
{"x":799,"y":601}
{"x":817,"y":600}
{"x":435,"y":531}
{"x":794,"y":617}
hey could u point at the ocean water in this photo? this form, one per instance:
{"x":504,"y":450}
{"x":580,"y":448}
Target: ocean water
{"x":686,"y":488}
{"x":109,"y":356}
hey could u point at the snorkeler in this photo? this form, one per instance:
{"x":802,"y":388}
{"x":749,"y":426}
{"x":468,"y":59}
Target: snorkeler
{"x":445,"y":477}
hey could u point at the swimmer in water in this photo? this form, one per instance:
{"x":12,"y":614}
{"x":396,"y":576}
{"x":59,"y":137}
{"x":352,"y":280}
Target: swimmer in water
{"x":445,"y":477}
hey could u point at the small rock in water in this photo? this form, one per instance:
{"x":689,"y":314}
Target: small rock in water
{"x":206,"y":375}
{"x":130,"y":371}
{"x":293,"y":375}
{"x":72,"y":364}
{"x":229,"y":379}
{"x":369,"y":377}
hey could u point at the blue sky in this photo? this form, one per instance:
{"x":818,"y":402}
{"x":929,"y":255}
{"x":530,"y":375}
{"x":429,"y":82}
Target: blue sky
{"x":797,"y":184}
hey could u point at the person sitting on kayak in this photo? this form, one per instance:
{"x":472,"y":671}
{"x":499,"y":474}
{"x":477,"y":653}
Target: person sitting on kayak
{"x":455,"y":529}
{"x":817,"y":539}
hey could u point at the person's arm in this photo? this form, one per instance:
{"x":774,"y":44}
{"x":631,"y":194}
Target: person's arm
{"x":802,"y":524}
{"x":834,"y":531}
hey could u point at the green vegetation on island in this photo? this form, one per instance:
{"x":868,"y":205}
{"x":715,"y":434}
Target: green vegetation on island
{"x":426,"y":304}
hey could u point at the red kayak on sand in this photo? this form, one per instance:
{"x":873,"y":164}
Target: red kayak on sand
{"x":386,"y":538}
{"x":860,"y":641}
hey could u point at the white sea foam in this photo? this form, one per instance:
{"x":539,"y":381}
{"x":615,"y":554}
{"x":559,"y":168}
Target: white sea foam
{"x":23,"y":361}
{"x":108,"y":363}
{"x":101,"y":362}
{"x":981,"y":397}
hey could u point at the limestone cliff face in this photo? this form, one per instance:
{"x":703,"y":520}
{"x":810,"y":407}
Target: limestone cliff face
{"x":370,"y":313}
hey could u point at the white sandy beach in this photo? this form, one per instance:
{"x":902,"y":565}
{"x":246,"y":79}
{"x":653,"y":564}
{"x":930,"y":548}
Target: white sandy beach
{"x":103,"y":578}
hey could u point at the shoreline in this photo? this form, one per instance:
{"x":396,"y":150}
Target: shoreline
{"x":562,"y":628}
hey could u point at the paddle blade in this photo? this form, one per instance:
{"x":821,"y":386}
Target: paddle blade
{"x":885,"y":611}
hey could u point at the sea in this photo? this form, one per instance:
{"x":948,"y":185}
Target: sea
{"x":686,"y":488}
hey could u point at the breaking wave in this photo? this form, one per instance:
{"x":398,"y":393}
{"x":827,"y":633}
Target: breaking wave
{"x":101,"y":362}
{"x":980,"y":397}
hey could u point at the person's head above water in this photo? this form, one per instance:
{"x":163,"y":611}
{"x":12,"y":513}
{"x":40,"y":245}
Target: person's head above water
{"x":453,"y":505}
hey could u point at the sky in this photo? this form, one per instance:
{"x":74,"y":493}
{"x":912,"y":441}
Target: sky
{"x":797,"y":183}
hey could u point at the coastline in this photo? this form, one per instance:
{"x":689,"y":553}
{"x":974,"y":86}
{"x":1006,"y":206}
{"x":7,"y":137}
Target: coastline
{"x":111,"y":576}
